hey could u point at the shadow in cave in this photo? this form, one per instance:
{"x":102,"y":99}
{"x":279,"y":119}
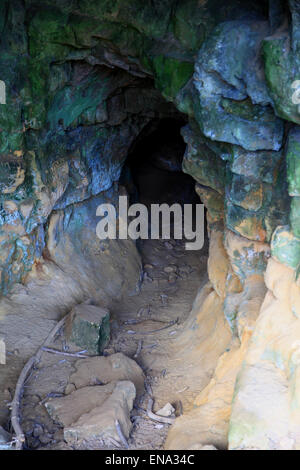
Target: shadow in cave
{"x":153,"y":170}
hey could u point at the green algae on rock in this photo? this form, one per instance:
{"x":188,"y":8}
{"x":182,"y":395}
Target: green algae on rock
{"x":88,"y":328}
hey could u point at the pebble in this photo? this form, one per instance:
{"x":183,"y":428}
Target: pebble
{"x":166,"y":411}
{"x":37,"y":430}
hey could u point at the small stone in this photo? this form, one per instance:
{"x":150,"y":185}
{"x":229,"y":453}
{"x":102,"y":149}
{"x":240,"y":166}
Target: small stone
{"x":37,"y":430}
{"x":167,"y":410}
{"x":108,"y":351}
{"x":7,"y":394}
{"x":69,"y":389}
{"x":88,"y":327}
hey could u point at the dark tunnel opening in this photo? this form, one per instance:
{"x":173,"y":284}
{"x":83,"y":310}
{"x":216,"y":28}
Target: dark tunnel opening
{"x":153,"y":171}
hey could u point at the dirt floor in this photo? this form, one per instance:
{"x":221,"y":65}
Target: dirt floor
{"x":151,"y":320}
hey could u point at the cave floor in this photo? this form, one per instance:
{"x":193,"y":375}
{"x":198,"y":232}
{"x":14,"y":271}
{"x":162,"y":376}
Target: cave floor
{"x":165,"y":297}
{"x":172,"y":277}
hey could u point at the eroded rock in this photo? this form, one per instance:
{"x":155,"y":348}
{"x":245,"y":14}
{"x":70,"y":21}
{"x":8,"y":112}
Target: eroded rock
{"x":91,"y":371}
{"x":233,"y":98}
{"x":100,"y":422}
{"x":67,"y":410}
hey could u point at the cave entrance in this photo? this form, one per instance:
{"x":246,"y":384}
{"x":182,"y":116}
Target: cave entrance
{"x":153,"y":325}
{"x":153,"y":171}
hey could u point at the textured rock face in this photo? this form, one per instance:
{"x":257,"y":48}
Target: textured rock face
{"x":83,"y":79}
{"x":267,"y":388}
{"x":95,"y":265}
{"x":234,"y":105}
{"x":66,"y":129}
{"x":238,"y":293}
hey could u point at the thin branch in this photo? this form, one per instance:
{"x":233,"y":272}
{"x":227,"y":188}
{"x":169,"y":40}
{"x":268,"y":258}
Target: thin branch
{"x":139,"y":348}
{"x":15,"y":404}
{"x":55,"y":351}
{"x":159,"y":329}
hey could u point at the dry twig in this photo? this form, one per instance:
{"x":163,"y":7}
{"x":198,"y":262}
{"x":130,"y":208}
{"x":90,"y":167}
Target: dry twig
{"x":139,"y":348}
{"x":19,"y":438}
{"x":171,"y":323}
{"x":55,"y":351}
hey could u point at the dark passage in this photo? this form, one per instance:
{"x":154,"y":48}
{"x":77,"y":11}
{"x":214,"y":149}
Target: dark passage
{"x":153,"y":171}
{"x":155,"y":165}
